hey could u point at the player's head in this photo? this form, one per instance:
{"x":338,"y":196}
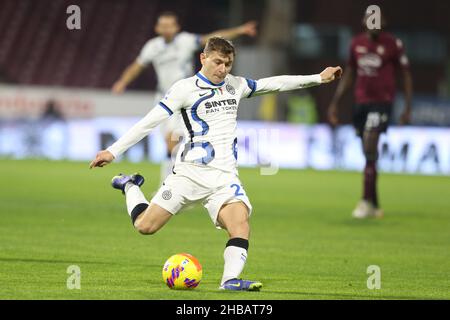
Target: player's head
{"x":217,"y":59}
{"x":167,"y":25}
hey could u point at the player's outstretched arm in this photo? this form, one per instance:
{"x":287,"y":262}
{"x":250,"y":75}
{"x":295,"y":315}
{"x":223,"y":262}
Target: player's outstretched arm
{"x":289,"y":83}
{"x":101,"y":159}
{"x":248,"y":28}
{"x":135,"y":134}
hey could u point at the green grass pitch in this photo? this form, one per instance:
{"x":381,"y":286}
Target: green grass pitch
{"x":304,"y":243}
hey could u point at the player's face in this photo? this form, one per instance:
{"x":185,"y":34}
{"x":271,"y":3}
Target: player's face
{"x":167,"y":27}
{"x":216,"y":66}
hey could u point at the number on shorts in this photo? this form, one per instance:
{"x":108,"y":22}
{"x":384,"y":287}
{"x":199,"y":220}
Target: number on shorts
{"x":238,"y":188}
{"x":373,"y":120}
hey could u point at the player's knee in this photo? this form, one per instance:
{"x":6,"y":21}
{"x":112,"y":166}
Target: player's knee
{"x":146,"y":228}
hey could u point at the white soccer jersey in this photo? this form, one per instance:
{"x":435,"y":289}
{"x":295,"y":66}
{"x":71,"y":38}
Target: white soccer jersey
{"x":172,"y":61}
{"x":209,"y":113}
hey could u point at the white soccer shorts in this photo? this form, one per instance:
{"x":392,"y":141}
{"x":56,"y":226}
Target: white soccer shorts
{"x":212,"y":187}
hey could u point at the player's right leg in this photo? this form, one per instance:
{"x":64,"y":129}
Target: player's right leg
{"x":146,"y":217}
{"x":234,"y":217}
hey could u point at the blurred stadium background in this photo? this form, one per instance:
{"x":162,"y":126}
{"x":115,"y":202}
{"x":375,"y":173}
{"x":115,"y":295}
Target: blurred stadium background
{"x":56,"y":104}
{"x":41,"y":62}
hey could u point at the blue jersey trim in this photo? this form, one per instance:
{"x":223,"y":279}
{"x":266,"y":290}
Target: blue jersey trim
{"x":205,"y":145}
{"x":166,"y":108}
{"x":252,"y":85}
{"x":198,"y":74}
{"x":196,"y":118}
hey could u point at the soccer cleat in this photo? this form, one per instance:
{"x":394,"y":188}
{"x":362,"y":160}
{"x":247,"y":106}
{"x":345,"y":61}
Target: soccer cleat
{"x":366,"y":209}
{"x":241,"y":285}
{"x":121,"y":180}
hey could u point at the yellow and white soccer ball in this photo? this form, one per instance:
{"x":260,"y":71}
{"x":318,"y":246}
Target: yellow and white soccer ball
{"x":182,"y":271}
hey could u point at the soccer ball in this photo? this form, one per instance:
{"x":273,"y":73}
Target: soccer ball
{"x":182,"y":271}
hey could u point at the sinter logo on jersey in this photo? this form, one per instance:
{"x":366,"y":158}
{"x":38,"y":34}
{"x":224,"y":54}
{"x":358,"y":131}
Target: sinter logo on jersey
{"x":221,"y":105}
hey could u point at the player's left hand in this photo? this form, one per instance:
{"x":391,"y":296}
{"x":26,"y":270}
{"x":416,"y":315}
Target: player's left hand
{"x":331,"y":73}
{"x":249,"y":28}
{"x":102,"y":159}
{"x":405,"y":117}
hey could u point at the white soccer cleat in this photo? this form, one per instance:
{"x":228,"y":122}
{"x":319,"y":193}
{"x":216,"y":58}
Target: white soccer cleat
{"x":364,"y":209}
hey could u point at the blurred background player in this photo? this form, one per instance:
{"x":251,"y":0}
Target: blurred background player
{"x":375,"y":56}
{"x":171,"y":54}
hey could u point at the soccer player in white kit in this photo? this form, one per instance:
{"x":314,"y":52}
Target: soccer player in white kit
{"x":171,"y":54}
{"x":206,"y":165}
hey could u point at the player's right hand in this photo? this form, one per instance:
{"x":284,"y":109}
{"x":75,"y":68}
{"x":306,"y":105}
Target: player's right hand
{"x":118,"y":87}
{"x":102,"y":159}
{"x":333,"y":114}
{"x":330,"y":74}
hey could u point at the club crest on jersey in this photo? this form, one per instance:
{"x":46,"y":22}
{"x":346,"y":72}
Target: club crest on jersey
{"x":230,"y":89}
{"x":167,"y":194}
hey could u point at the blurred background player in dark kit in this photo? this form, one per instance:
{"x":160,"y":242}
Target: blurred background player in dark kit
{"x":375,"y":56}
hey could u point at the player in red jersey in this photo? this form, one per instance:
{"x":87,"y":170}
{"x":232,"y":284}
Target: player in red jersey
{"x":375,"y":56}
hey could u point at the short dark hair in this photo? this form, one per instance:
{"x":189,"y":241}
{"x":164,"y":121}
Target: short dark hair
{"x":220,"y":45}
{"x":169,"y":14}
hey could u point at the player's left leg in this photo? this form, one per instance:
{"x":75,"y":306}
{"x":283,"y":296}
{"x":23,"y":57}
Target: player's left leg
{"x":234,"y":217}
{"x":370,"y":148}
